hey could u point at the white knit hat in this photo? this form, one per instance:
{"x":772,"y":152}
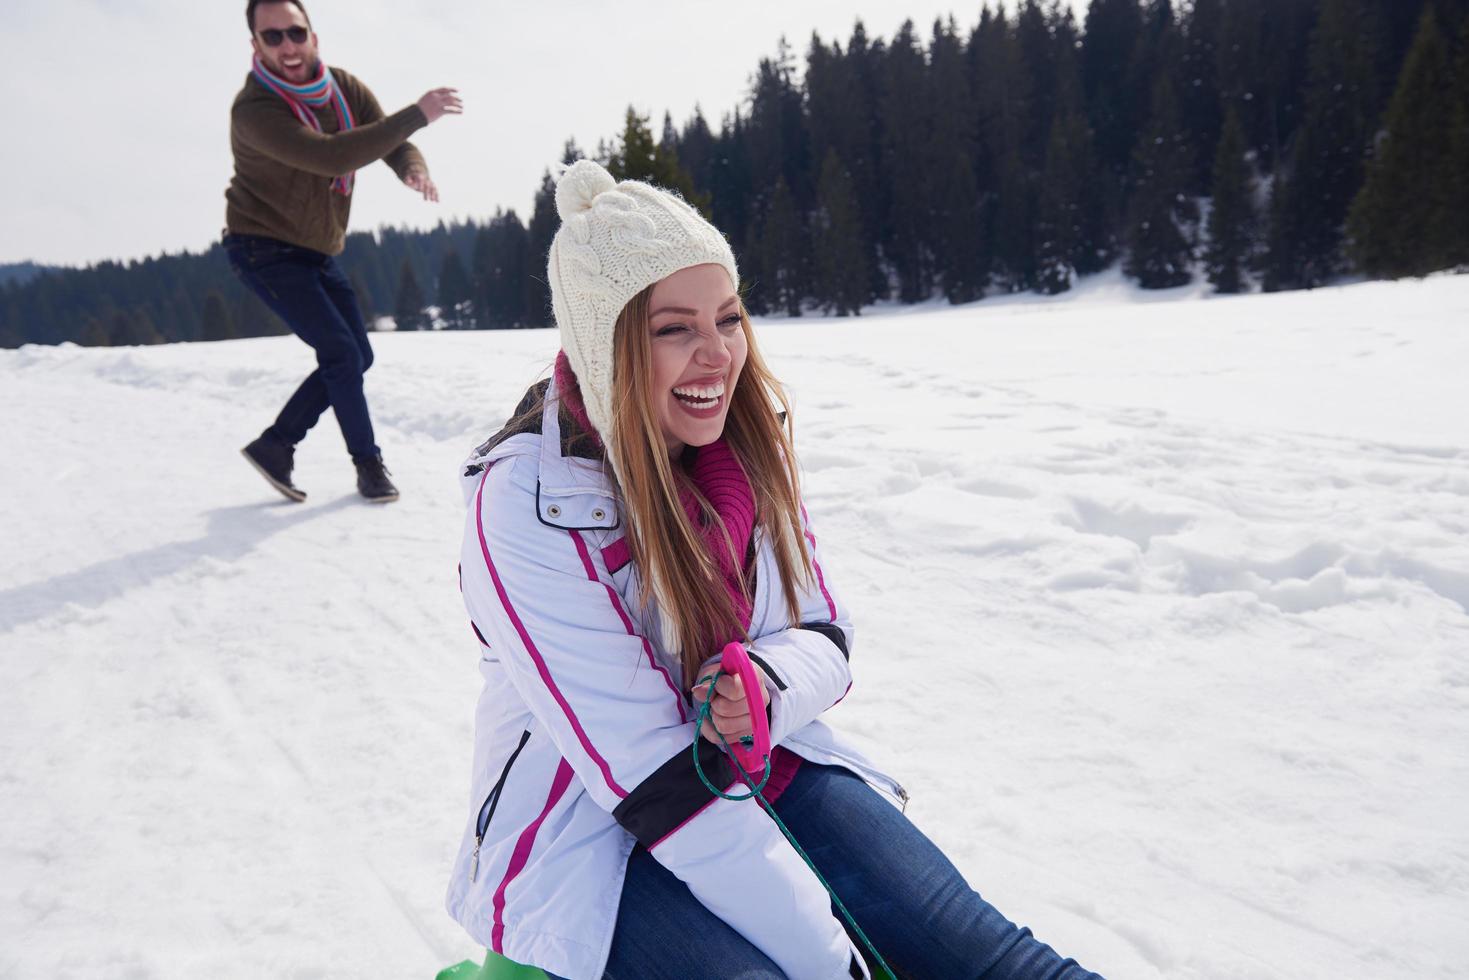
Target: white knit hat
{"x":614,"y":241}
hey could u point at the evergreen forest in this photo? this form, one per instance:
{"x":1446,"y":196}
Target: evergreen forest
{"x":1259,"y":144}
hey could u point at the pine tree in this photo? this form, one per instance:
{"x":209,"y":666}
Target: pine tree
{"x":1201,"y":104}
{"x":841,"y":260}
{"x":542,"y":229}
{"x":639,"y":158}
{"x":782,"y":252}
{"x":1014,"y":227}
{"x":364,"y":262}
{"x":178,"y":317}
{"x":1071,"y":235}
{"x":94,"y":333}
{"x":1094,"y":237}
{"x":408,"y":311}
{"x":10,"y":333}
{"x":907,"y":127}
{"x":1401,"y":223}
{"x":953,"y":235}
{"x":1459,"y":152}
{"x":778,"y":140}
{"x":863,"y":158}
{"x":1277,"y":262}
{"x":1160,"y":49}
{"x":481,"y":265}
{"x":732,"y":187}
{"x":1114,"y":103}
{"x":253,"y":319}
{"x":455,"y":293}
{"x":1232,"y":219}
{"x":1398,"y":23}
{"x":133,"y":328}
{"x":696,"y":150}
{"x":1262,"y":67}
{"x":1311,"y":197}
{"x":500,"y":269}
{"x":1065,"y":187}
{"x":1006,"y":186}
{"x":1036,"y":54}
{"x":836,"y":126}
{"x":215,"y":319}
{"x":841,"y":110}
{"x":634,"y":158}
{"x":956,"y":234}
{"x":1159,"y":255}
{"x":364,"y":300}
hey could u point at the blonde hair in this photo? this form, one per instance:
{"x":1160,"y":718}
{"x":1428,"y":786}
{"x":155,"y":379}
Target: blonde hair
{"x":677,"y":571}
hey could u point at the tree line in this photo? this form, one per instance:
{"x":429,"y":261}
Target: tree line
{"x":1273,"y":144}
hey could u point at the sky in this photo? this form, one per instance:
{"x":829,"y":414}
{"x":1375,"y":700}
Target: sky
{"x":116,"y":115}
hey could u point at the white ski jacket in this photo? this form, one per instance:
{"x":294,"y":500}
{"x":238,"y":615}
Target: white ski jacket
{"x":583,"y":732}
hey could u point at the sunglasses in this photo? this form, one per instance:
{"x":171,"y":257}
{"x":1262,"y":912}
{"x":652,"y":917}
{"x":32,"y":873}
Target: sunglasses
{"x":273,"y":37}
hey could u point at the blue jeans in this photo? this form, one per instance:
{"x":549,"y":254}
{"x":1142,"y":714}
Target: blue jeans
{"x":911,"y":902}
{"x":307,"y":290}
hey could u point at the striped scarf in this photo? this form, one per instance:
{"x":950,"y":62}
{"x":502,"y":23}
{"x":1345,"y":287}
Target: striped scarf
{"x":320,"y":91}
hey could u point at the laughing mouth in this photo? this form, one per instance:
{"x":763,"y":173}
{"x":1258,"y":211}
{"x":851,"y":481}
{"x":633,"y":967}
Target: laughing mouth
{"x":700,"y":396}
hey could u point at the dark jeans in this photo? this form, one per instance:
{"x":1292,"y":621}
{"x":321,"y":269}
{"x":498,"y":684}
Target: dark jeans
{"x":911,"y":902}
{"x":306,"y":289}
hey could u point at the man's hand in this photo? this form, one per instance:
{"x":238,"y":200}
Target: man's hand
{"x":730,"y":710}
{"x":418,"y":179}
{"x":439,"y":102}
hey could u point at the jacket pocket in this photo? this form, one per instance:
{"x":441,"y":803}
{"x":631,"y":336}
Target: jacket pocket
{"x":487,"y":808}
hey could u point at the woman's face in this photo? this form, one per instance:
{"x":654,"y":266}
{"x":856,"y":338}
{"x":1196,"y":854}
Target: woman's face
{"x":699,"y":349}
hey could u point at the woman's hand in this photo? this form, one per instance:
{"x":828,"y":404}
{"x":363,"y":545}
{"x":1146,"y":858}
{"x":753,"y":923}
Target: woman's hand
{"x":729,"y":712}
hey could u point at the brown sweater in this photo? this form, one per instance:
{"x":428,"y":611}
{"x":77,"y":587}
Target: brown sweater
{"x":284,"y":170}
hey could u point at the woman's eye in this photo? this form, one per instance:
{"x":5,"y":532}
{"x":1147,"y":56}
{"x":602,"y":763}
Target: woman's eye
{"x":730,"y":321}
{"x":670,"y":330}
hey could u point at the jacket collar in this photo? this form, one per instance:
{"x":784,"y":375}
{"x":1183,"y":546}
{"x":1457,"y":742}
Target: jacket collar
{"x":572,"y":492}
{"x":564,"y":472}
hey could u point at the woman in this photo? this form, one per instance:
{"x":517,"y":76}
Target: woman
{"x":641,"y":511}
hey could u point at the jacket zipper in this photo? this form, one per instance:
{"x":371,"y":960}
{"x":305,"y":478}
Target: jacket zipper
{"x":487,"y":809}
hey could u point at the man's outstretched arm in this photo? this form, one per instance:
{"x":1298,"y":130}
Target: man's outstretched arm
{"x":277,"y":133}
{"x":407,"y":160}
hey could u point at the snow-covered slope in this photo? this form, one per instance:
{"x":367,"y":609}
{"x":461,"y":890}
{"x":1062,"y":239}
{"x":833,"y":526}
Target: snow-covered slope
{"x":1161,"y":615}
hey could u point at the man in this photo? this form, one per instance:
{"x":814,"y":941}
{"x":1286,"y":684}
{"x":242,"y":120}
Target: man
{"x":299,"y":130}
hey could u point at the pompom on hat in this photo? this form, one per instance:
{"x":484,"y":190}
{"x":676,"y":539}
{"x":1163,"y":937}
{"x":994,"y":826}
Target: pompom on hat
{"x":615,"y":240}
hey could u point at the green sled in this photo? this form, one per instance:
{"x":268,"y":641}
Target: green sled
{"x":496,"y":967}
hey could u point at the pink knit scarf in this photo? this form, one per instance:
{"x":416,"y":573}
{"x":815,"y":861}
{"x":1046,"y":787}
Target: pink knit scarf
{"x":718,"y":476}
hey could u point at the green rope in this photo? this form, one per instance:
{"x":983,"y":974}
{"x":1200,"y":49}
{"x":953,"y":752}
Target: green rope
{"x":755,"y":793}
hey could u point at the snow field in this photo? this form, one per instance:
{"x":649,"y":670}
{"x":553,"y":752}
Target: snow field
{"x":1161,"y":611}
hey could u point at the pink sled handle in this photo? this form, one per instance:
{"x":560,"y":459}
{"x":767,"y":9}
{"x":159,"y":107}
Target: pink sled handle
{"x":734,"y":660}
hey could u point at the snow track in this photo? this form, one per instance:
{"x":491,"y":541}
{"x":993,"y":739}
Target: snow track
{"x":1163,"y":616}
